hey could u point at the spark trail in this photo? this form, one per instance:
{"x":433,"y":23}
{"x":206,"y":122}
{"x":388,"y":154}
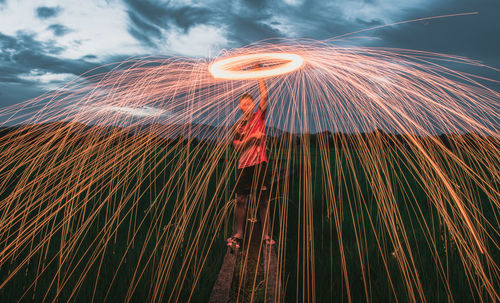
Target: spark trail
{"x":107,"y":177}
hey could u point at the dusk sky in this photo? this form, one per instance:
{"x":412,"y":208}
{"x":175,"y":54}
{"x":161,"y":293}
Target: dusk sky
{"x":44,"y":44}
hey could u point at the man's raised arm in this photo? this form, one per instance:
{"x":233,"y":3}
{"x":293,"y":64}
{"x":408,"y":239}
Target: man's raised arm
{"x":263,"y":91}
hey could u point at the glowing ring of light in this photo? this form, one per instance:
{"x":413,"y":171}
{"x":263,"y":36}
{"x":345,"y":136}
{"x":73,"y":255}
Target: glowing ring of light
{"x":221,"y":69}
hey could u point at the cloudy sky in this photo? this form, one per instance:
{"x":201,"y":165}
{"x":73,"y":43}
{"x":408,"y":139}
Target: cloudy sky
{"x":46,"y":43}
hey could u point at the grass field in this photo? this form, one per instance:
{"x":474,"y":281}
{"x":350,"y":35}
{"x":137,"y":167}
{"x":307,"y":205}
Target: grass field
{"x":122,"y":254}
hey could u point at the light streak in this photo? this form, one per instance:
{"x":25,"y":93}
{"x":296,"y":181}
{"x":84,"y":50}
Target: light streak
{"x":405,"y":22}
{"x":227,"y":68}
{"x":112,"y":162}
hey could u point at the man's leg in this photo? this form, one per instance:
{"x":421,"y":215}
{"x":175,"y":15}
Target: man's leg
{"x":239,"y":215}
{"x":264,"y":217}
{"x":239,"y":219}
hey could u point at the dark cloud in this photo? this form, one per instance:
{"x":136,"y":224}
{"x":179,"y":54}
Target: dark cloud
{"x":316,"y":19}
{"x":22,"y":53}
{"x":186,"y":17}
{"x":474,"y":36}
{"x":246,"y":30}
{"x":89,"y":57}
{"x":25,"y":41}
{"x":44,"y":12}
{"x":13,"y":93}
{"x":9,"y":73}
{"x":58,"y":29}
{"x":371,"y":23}
{"x":150,"y":12}
{"x":246,"y":24}
{"x":163,"y":15}
{"x":259,"y":4}
{"x":148,"y":18}
{"x":143,"y":30}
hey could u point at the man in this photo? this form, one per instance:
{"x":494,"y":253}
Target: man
{"x":249,"y":141}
